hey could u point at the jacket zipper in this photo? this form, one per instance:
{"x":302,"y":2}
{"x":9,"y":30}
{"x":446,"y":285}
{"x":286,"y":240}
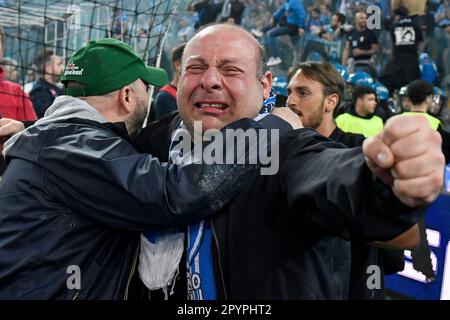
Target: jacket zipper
{"x":133,"y":267}
{"x":216,"y":241}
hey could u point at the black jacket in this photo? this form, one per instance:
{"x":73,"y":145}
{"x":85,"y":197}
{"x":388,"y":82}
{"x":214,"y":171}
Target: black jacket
{"x":42,"y":95}
{"x":363,"y":255}
{"x":271,"y":240}
{"x":76,"y":193}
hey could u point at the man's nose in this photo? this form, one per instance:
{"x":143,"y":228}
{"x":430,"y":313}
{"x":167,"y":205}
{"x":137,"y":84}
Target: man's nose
{"x":211,"y":79}
{"x":290,"y":102}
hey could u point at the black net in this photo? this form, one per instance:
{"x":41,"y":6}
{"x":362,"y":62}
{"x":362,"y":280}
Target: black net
{"x":31,"y":27}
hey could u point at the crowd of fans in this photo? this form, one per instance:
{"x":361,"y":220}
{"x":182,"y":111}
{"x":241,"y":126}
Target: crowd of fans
{"x":301,"y":30}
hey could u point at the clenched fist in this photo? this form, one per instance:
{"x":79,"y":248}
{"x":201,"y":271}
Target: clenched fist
{"x":407,"y":156}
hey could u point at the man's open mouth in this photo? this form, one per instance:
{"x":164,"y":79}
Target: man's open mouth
{"x":218,"y":106}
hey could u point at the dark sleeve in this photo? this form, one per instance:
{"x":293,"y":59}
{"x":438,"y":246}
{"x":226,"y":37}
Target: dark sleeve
{"x":155,"y":137}
{"x":335,"y":189}
{"x":102,"y":175}
{"x":164,"y":104}
{"x":272,"y":122}
{"x":28,"y":123}
{"x":41,"y":101}
{"x":348,"y":139}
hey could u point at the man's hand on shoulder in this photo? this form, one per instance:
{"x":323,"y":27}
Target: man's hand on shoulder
{"x":9,"y":127}
{"x":289,"y":116}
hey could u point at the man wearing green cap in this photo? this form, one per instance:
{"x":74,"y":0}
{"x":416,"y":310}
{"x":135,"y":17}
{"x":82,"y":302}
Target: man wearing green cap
{"x":76,"y":194}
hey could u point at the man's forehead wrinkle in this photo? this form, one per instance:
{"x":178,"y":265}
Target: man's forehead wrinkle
{"x":218,"y":32}
{"x":195,"y":58}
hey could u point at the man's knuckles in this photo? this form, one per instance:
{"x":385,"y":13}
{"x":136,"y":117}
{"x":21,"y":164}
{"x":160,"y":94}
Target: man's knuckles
{"x":399,"y":127}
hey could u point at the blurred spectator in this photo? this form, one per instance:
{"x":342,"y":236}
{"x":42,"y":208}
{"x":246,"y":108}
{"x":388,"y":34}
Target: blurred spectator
{"x":289,"y":19}
{"x":360,"y":118}
{"x":232,"y":11}
{"x":142,"y":42}
{"x":10,"y":69}
{"x":348,"y":9}
{"x":416,"y":9}
{"x":30,"y":79}
{"x":361,"y":46}
{"x":404,"y":101}
{"x":119,"y":25}
{"x":334,"y":31}
{"x":314,"y":22}
{"x":404,"y":65}
{"x":186,"y":31}
{"x":45,"y":90}
{"x":384,"y":6}
{"x":382,"y":110}
{"x":14,"y":104}
{"x":442,"y":18}
{"x":329,"y":45}
{"x":421,"y":94}
{"x":427,"y":67}
{"x":325,"y":14}
{"x":165,"y":101}
{"x":259,"y":16}
{"x":362,"y":6}
{"x":206,"y":10}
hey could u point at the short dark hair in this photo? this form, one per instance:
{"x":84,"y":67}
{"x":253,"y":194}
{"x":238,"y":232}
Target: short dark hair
{"x":341,"y":17}
{"x":316,"y":10}
{"x":177,"y":52}
{"x":418,"y":91}
{"x":44,"y":57}
{"x":359,"y":92}
{"x":401,"y":11}
{"x":322,"y":72}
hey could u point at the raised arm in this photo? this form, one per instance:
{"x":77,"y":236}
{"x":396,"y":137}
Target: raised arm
{"x":368,"y":196}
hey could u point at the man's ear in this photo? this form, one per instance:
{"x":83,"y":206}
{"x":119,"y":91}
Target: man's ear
{"x":331,"y":102}
{"x":266,"y":83}
{"x":126,"y":99}
{"x":176,"y":66}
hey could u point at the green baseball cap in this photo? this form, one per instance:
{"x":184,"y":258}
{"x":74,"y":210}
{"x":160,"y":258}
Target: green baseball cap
{"x":107,"y":65}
